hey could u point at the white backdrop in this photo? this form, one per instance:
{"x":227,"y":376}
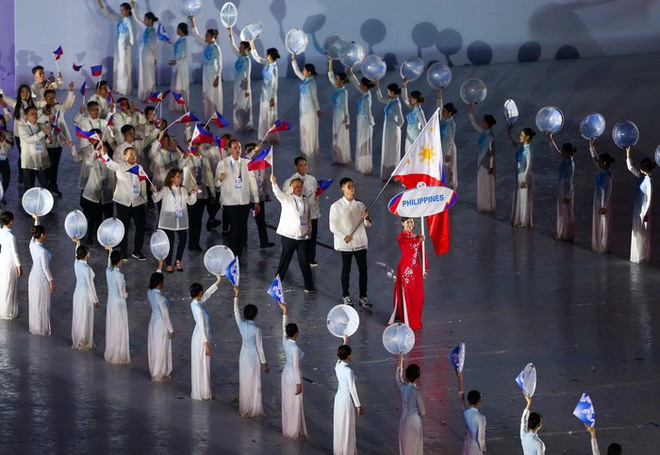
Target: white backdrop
{"x":467,"y":32}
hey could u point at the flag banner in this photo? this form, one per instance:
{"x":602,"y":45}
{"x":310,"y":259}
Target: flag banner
{"x":201,"y":136}
{"x":57,"y":53}
{"x":77,"y":68}
{"x":219,"y":120}
{"x":275,"y":290}
{"x":233,"y":272}
{"x":83,"y":88}
{"x":162,"y":35}
{"x":422,"y":201}
{"x":263,"y":160}
{"x":457,"y":357}
{"x":280,"y":125}
{"x":137,"y":170}
{"x":178,"y":97}
{"x":96,"y":70}
{"x":585,"y":411}
{"x":323,"y":185}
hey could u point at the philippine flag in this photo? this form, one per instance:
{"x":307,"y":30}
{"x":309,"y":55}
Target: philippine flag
{"x":280,"y":125}
{"x":96,"y":70}
{"x":187,"y":118}
{"x":201,"y":136}
{"x":263,"y":160}
{"x":178,"y":97}
{"x":323,"y":185}
{"x":77,"y":68}
{"x":137,"y":170}
{"x":83,"y":88}
{"x":219,"y":120}
{"x":158,"y":97}
{"x":57,"y":53}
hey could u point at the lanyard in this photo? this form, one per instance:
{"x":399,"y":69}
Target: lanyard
{"x":240,"y":169}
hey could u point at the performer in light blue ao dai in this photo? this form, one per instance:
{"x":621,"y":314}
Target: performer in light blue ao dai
{"x":211,"y":70}
{"x":122,"y":80}
{"x":602,"y":207}
{"x":341,"y":122}
{"x":565,"y":191}
{"x":242,"y":86}
{"x":640,"y":238}
{"x":486,"y":201}
{"x":392,"y":123}
{"x":364,"y":162}
{"x":310,"y":109}
{"x":522,"y":208}
{"x":268,"y":97}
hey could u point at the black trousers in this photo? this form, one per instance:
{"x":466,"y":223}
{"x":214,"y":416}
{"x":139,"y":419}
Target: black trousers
{"x":125,"y":215}
{"x":311,"y":245}
{"x":238,"y":217}
{"x":195,"y":215}
{"x":54,"y":154}
{"x":30,"y":176}
{"x":346,"y":260}
{"x":290,"y":246}
{"x":261,"y":224}
{"x":5,"y":173}
{"x":213,"y":206}
{"x":183,"y":238}
{"x":95,"y":212}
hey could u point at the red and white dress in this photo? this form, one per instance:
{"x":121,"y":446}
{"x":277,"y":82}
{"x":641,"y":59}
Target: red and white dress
{"x":409,"y":284}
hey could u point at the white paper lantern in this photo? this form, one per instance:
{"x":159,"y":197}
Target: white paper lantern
{"x":352,"y":54}
{"x":75,"y":225}
{"x":252,"y":31}
{"x":473,"y":91}
{"x":228,"y":15}
{"x":412,"y":68}
{"x":217,"y":258}
{"x":373,"y":67}
{"x":37,"y":201}
{"x":343,"y":320}
{"x":333,"y":44}
{"x":110,"y":232}
{"x":160,"y":244}
{"x":189,"y":7}
{"x":398,"y":338}
{"x":510,"y":112}
{"x":549,"y":119}
{"x":296,"y":41}
{"x":438,"y":75}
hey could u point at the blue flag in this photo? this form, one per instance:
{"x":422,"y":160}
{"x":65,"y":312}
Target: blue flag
{"x":585,"y":411}
{"x":162,"y":35}
{"x":275,"y":290}
{"x":457,"y":357}
{"x":233,"y":272}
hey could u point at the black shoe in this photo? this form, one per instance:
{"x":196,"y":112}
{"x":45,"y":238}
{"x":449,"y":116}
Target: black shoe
{"x":364,"y":302}
{"x":267,"y":245}
{"x":139,"y":256}
{"x":212,"y":224}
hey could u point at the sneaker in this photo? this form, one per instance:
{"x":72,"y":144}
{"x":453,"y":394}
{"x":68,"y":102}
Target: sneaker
{"x":313,"y":264}
{"x":139,"y":256}
{"x":310,"y":291}
{"x":347,"y":300}
{"x":365,"y":302}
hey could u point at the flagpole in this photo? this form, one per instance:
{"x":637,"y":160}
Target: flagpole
{"x":423,"y":249}
{"x":170,"y":124}
{"x":207,"y":123}
{"x":357,"y":225}
{"x":57,"y":65}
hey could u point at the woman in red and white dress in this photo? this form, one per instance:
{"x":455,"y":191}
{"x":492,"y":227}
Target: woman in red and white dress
{"x":409,"y":284}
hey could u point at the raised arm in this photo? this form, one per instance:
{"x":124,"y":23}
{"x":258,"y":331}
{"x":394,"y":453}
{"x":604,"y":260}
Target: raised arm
{"x":296,"y":68}
{"x":255,"y":54}
{"x":331,"y":73}
{"x":379,"y":94}
{"x":474,"y":123}
{"x":594,"y":155}
{"x":525,"y":417}
{"x":234,"y":48}
{"x":196,"y":33}
{"x":633,"y":170}
{"x":514,"y":143}
{"x":237,"y":310}
{"x":109,"y":14}
{"x":354,"y":80}
{"x":209,"y":292}
{"x":553,"y":144}
{"x":404,"y":93}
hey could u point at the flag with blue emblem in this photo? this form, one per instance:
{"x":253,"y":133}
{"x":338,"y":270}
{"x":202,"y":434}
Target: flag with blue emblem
{"x":275,"y":290}
{"x":233,"y":272}
{"x":162,"y":35}
{"x":457,"y":357}
{"x":585,"y":411}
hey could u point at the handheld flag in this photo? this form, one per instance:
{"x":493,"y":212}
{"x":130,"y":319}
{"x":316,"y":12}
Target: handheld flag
{"x":585,"y":411}
{"x":275,"y":290}
{"x":57,"y":53}
{"x":89,"y":135}
{"x":162,"y":35}
{"x":457,"y":357}
{"x":96,"y":70}
{"x":323,"y":185}
{"x":178,"y":97}
{"x":423,"y":163}
{"x":233,"y":272}
{"x":188,"y":117}
{"x":279,"y":125}
{"x":83,"y":88}
{"x":55,"y":123}
{"x":111,"y":99}
{"x":77,"y":68}
{"x":105,"y":158}
{"x":137,"y":170}
{"x":201,"y":136}
{"x":158,"y":97}
{"x":111,"y":121}
{"x":219,"y":120}
{"x":263,"y":160}
{"x":220,"y":142}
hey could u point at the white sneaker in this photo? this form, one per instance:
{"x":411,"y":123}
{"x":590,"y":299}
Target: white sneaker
{"x":347,"y":300}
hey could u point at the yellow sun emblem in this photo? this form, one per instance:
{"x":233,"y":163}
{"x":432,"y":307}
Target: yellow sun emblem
{"x":427,"y":154}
